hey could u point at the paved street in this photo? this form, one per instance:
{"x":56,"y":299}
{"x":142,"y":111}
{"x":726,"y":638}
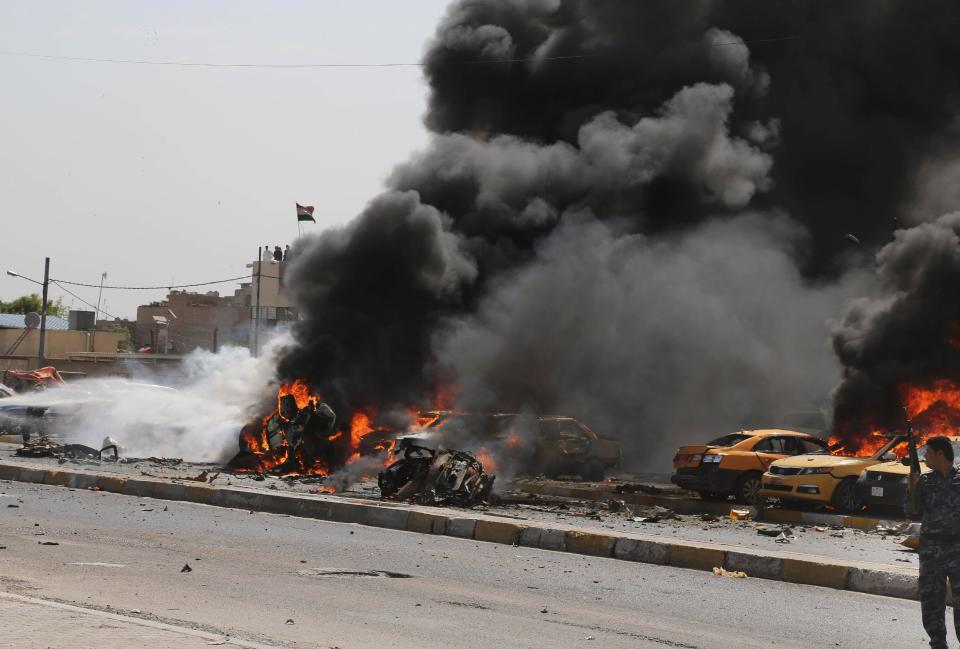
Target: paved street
{"x":289,"y":582}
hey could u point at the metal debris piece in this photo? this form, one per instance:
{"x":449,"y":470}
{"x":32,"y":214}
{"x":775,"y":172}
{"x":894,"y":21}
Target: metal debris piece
{"x":723,"y":572}
{"x":435,"y":477}
{"x":186,"y":568}
{"x":109,"y":449}
{"x":655,"y":514}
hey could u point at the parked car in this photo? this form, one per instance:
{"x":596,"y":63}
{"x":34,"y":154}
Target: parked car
{"x":733,"y":464}
{"x":884,"y":485}
{"x":823,"y":479}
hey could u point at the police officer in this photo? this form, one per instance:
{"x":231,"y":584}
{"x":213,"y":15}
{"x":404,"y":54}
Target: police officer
{"x":937,"y":498}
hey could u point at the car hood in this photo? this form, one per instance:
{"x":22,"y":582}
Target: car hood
{"x":896,"y":468}
{"x":817,"y":461}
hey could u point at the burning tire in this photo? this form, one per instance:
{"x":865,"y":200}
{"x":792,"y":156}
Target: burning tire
{"x":845,"y":498}
{"x":747,"y":491}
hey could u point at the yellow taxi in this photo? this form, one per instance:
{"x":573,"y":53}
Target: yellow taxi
{"x":733,"y":464}
{"x":884,"y":485}
{"x":823,"y":479}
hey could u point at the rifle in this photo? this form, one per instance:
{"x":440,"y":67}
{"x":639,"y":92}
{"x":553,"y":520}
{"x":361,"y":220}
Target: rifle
{"x":914,"y":479}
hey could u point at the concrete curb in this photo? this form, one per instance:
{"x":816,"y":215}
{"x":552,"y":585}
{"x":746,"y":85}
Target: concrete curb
{"x":875,"y":579}
{"x":683,"y":505}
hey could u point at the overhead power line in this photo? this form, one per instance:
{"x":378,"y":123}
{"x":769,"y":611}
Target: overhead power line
{"x":163,"y":286}
{"x":207,"y":64}
{"x":394,"y":64}
{"x":100,"y":309}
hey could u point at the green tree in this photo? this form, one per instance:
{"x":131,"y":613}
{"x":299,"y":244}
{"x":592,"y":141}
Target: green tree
{"x":126,"y":344}
{"x":27,"y":303}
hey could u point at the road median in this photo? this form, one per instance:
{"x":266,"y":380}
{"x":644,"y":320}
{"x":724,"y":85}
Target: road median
{"x":876,"y":579}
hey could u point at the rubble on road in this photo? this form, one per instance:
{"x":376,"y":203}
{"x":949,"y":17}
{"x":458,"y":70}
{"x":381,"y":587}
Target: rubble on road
{"x":628,"y":488}
{"x":435,"y":477}
{"x":655,"y":514}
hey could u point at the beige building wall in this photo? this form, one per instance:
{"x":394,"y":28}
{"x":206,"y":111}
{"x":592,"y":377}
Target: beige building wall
{"x":271,"y":290}
{"x":60,"y":344}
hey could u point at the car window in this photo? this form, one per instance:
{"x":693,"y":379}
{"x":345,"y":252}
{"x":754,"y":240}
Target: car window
{"x":770,"y":445}
{"x":569,"y":429}
{"x":729,"y":440}
{"x":792,"y":445}
{"x":814,"y":446}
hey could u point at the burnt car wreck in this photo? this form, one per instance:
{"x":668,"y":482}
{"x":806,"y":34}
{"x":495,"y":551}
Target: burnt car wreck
{"x":297,"y":437}
{"x":435,"y":477}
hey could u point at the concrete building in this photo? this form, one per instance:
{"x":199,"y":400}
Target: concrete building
{"x":186,"y":321}
{"x":275,"y":310}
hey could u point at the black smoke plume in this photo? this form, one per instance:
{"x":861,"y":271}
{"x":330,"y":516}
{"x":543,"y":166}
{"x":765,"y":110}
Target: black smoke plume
{"x":908,"y":335}
{"x":640,"y":221}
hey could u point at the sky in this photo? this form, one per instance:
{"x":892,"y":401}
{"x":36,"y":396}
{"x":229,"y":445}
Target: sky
{"x":159,"y":175}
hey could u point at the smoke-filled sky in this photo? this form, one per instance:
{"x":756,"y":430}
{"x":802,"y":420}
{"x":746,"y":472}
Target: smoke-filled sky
{"x":642,"y":222}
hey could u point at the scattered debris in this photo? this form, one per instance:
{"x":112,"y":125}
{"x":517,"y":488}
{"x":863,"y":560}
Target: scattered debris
{"x":615,"y":506}
{"x":290,"y":621}
{"x":837,"y":534}
{"x":912,"y":542}
{"x":435,"y":477}
{"x":638,"y":488}
{"x":108,"y":446}
{"x":739,"y":514}
{"x":201,"y":477}
{"x":47,"y":543}
{"x":723,"y":572}
{"x":186,"y":568}
{"x":708,"y":518}
{"x":769,"y":530}
{"x":656,"y":514}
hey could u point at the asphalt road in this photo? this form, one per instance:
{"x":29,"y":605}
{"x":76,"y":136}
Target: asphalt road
{"x":291,"y":582}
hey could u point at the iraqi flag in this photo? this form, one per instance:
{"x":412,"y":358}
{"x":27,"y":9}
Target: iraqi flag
{"x":305,"y":213}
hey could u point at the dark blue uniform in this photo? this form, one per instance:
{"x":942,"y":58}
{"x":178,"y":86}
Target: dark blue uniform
{"x":937,"y":498}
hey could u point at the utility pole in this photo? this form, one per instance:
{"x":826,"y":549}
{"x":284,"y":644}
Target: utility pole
{"x":43,"y":313}
{"x":96,"y":315}
{"x":256,"y":322}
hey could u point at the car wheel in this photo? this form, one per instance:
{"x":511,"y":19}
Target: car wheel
{"x":713,"y":496}
{"x":747,"y":491}
{"x":845,"y":499}
{"x":592,"y":470}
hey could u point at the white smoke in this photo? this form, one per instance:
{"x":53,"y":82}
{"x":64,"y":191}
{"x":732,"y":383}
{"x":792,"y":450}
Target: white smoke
{"x":197,"y":419}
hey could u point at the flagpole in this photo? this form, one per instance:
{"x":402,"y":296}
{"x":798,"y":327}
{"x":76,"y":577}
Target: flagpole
{"x":256,"y":320}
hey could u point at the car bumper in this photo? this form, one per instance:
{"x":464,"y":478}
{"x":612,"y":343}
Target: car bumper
{"x":810,"y":488}
{"x":890,"y":494}
{"x":711,"y":479}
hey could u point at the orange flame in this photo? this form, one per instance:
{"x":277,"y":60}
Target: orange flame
{"x":486,"y":458}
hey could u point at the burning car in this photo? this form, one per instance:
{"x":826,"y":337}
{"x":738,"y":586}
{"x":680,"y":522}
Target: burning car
{"x":823,"y":479}
{"x":553,"y":445}
{"x":733,"y":464}
{"x":885,"y":484}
